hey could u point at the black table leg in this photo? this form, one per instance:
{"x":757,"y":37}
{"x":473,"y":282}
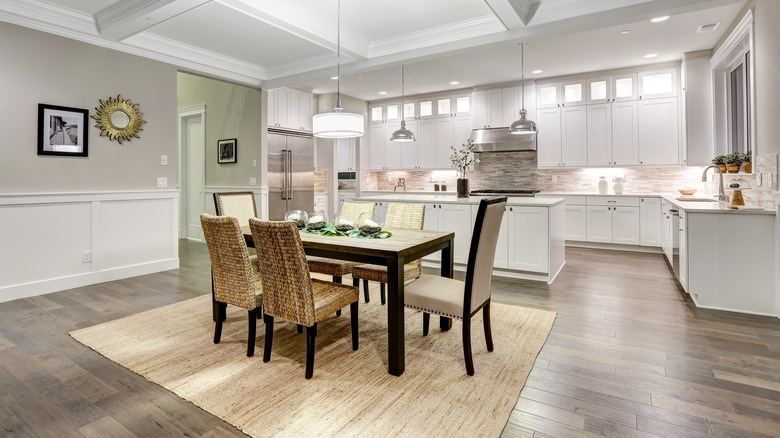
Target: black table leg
{"x":395,"y":316}
{"x":447,"y":257}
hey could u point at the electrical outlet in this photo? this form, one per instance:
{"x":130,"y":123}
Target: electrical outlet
{"x":163,"y":160}
{"x":758,"y":179}
{"x":254,"y":164}
{"x":771,"y":177}
{"x":555,"y":178}
{"x":86,"y":256}
{"x":162,"y":182}
{"x":252,"y":181}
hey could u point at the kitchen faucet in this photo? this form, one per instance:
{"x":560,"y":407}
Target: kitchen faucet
{"x":722,"y":197}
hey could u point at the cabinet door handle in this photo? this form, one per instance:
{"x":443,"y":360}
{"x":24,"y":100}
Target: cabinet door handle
{"x":510,"y":209}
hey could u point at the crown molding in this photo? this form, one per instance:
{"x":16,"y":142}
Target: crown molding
{"x":457,"y":31}
{"x":130,"y":17}
{"x":38,"y":15}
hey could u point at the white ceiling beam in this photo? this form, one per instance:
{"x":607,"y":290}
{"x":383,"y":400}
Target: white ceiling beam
{"x":130,"y":17}
{"x":48,"y":18}
{"x":515,"y":14}
{"x":290,"y":18}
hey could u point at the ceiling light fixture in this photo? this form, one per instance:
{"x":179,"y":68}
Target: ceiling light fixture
{"x":402,"y":135}
{"x":536,"y":72}
{"x":334,"y":77}
{"x":338,"y":124}
{"x":626,"y":32}
{"x":651,"y":55}
{"x":454,"y":82}
{"x":522,"y":125}
{"x":659,"y":19}
{"x":383,"y":93}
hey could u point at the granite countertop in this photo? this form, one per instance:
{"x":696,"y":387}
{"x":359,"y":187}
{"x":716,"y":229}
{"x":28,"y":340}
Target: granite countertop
{"x":688,"y":206}
{"x":450,"y":198}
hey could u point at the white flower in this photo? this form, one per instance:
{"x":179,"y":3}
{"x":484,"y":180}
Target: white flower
{"x":315,"y":219}
{"x":343,"y":221}
{"x":370,"y":223}
{"x":295,"y":217}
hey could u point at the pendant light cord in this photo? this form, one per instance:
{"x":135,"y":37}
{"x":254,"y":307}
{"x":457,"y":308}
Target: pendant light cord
{"x":338,"y":57}
{"x":522,"y":75}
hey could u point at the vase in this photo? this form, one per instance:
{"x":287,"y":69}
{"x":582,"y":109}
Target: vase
{"x":463,"y":187}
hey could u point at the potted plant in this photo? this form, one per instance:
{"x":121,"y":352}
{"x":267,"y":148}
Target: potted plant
{"x":461,"y":160}
{"x":747,"y":161}
{"x":733,"y":162}
{"x":720,"y":161}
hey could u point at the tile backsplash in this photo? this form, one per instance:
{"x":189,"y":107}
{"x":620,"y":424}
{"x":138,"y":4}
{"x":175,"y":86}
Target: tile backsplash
{"x":517,"y":170}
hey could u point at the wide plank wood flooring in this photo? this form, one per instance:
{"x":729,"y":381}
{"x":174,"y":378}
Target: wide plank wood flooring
{"x":629,"y":356}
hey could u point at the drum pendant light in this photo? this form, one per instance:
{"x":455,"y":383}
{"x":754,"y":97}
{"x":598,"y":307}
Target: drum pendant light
{"x":338,"y":124}
{"x":402,"y":135}
{"x":522,"y":125}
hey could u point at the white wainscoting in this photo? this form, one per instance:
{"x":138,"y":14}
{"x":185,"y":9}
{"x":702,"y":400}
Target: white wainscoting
{"x":43,"y":238}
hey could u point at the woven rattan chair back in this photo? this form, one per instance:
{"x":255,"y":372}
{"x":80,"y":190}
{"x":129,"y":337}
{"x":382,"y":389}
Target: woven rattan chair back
{"x":352,"y":210}
{"x":234,"y":280}
{"x":238,"y":204}
{"x":287,"y":288}
{"x":406,"y":216}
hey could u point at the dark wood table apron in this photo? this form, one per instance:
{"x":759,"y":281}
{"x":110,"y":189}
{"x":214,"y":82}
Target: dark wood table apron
{"x":405,"y":246}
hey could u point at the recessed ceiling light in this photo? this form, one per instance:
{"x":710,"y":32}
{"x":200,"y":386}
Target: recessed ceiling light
{"x":659,"y":19}
{"x":454,"y":82}
{"x":334,"y":77}
{"x":536,"y":72}
{"x":383,"y":93}
{"x":651,"y":55}
{"x":626,"y":32}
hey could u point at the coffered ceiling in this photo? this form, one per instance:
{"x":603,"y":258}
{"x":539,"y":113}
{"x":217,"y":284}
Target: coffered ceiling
{"x":272,"y":43}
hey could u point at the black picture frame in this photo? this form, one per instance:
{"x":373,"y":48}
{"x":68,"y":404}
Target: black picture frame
{"x":63,"y":131}
{"x":227,"y":151}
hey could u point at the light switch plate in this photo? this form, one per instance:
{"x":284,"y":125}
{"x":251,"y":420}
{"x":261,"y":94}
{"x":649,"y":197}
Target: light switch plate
{"x":254,"y":163}
{"x":758,"y":179}
{"x":86,"y":256}
{"x":252,"y":181}
{"x":162,"y":182}
{"x":163,"y":160}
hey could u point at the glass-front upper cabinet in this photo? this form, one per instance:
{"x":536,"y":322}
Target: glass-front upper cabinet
{"x":612,"y":88}
{"x":657,"y":83}
{"x":559,"y":94}
{"x":385,"y":112}
{"x":425,"y":108}
{"x":410,"y":110}
{"x":456,"y":105}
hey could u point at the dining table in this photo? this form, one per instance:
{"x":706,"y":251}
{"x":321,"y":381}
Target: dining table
{"x":402,"y":247}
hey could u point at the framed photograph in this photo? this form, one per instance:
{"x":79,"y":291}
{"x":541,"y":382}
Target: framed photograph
{"x":62,"y":131}
{"x":226,"y":150}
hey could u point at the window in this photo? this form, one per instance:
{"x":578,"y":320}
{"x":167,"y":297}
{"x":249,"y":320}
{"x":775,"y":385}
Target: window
{"x":739,"y":106}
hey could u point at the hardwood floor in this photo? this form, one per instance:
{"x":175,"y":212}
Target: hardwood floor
{"x":629,"y":356}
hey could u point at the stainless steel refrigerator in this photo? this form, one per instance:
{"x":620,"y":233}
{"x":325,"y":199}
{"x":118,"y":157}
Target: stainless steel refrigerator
{"x":290,"y":173}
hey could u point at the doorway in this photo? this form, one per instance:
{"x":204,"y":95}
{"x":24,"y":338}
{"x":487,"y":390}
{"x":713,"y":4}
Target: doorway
{"x":192,"y":170}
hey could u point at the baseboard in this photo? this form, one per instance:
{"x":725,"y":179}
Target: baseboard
{"x":42,"y":287}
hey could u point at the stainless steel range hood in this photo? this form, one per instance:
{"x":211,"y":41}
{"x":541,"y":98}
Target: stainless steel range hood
{"x":500,"y":140}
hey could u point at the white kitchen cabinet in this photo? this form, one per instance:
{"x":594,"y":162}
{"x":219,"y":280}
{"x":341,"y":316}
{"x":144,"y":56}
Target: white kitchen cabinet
{"x":659,"y":137}
{"x":613,"y":138}
{"x":650,"y":221}
{"x":696,"y":101}
{"x":497,"y":107}
{"x":453,"y":105}
{"x":431,"y":223}
{"x":346,"y":151}
{"x":613,"y":220}
{"x":561,"y":94}
{"x":657,"y":83}
{"x":321,"y":203}
{"x":616,"y":88}
{"x":290,"y":108}
{"x":562,"y":140}
{"x":450,"y":131}
{"x":380,"y":211}
{"x":683,"y":249}
{"x":421,"y":153}
{"x":385,"y":112}
{"x":451,"y":217}
{"x":576,"y":219}
{"x":384,"y":154}
{"x":345,"y":196}
{"x":528,"y":234}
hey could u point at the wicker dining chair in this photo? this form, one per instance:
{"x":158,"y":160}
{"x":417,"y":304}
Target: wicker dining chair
{"x":462,"y":300}
{"x":233,"y":279}
{"x":339,"y":268}
{"x":289,"y":290}
{"x":399,"y":215}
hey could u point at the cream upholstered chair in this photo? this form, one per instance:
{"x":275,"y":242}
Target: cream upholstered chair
{"x":238,"y":204}
{"x":406,"y":216}
{"x":233,"y":279}
{"x":462,"y":300}
{"x":291,"y":293}
{"x":339,"y":268}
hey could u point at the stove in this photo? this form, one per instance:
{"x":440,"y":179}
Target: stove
{"x":505,"y":192}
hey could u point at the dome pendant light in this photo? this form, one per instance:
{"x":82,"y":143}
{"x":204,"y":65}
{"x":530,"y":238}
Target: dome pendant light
{"x":338,"y":124}
{"x":402,"y":135}
{"x":522,"y":125}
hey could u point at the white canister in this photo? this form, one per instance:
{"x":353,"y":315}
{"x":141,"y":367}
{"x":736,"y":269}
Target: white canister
{"x":617,"y":187}
{"x":602,"y":186}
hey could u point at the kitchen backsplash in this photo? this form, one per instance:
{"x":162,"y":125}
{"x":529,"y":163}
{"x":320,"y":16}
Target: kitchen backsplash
{"x":517,"y":170}
{"x":321,"y":183}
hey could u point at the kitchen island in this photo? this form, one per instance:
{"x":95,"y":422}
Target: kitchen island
{"x":531,"y":241}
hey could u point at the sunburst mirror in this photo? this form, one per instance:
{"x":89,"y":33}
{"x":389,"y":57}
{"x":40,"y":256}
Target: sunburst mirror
{"x":118,"y":119}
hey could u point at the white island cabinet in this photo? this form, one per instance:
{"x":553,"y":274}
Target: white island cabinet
{"x":531,"y":238}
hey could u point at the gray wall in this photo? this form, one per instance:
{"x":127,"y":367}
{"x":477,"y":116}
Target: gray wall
{"x":232,"y":111}
{"x":41,"y":68}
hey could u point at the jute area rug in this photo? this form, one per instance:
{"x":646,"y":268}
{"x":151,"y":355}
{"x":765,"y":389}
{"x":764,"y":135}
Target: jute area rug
{"x":351,"y":393}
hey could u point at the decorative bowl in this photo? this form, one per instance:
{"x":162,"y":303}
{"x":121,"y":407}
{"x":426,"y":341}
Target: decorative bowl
{"x":300,"y":217}
{"x":343,"y":224}
{"x":687,"y":192}
{"x":367,"y":225}
{"x":318,"y":220}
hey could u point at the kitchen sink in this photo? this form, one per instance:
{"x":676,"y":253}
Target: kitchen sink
{"x":696,"y":199}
